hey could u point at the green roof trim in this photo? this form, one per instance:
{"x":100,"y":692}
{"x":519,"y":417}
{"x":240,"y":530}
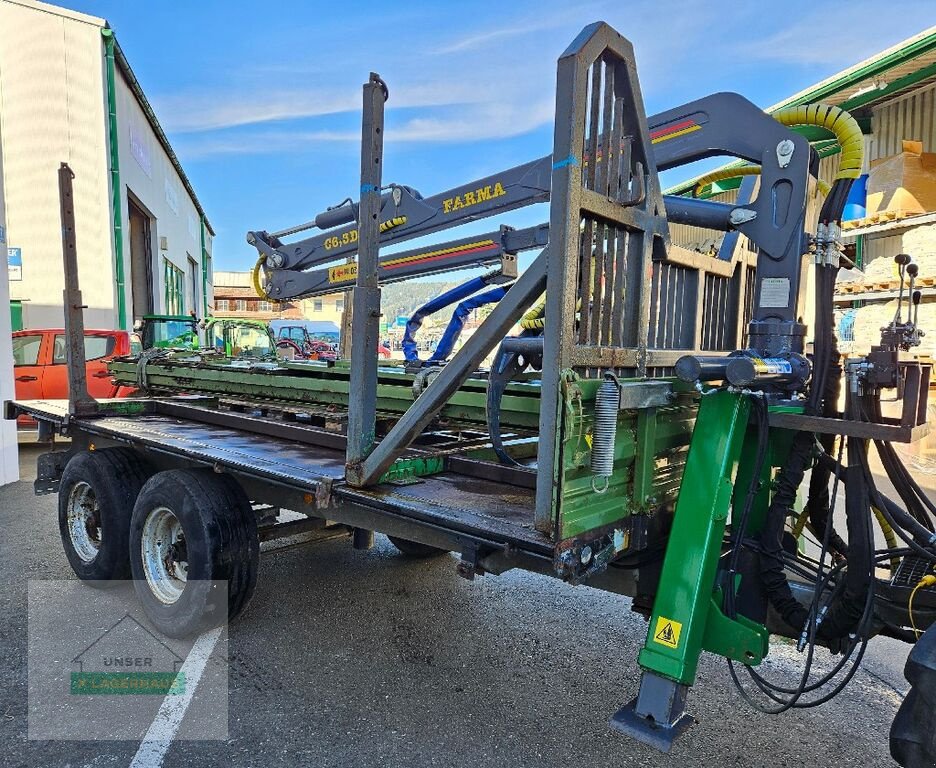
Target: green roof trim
{"x":870,"y":68}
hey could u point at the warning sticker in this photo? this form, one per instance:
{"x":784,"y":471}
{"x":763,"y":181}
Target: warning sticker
{"x":667,"y":632}
{"x":342,"y":273}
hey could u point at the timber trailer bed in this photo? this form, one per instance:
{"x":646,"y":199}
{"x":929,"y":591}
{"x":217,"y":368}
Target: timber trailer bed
{"x":651,"y":397}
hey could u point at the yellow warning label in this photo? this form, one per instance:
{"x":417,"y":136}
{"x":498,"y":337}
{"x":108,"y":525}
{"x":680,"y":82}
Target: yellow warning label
{"x":342,"y":273}
{"x":667,"y":632}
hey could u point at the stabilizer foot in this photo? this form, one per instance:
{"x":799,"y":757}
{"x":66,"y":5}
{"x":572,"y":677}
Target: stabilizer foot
{"x":657,"y":716}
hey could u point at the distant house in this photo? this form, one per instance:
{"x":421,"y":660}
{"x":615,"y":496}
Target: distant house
{"x":144,"y":243}
{"x":235,"y":296}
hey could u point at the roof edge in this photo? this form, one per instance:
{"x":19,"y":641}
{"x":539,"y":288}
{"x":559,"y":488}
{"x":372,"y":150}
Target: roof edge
{"x":127,"y":71}
{"x":58,"y":10}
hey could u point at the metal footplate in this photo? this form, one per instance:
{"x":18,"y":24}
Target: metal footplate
{"x":658,"y":715}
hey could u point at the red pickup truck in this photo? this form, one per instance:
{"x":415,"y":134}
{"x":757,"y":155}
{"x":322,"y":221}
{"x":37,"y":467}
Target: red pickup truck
{"x":39,"y":370}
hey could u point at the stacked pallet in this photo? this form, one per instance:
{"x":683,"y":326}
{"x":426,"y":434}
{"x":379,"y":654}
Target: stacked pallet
{"x":879,"y":217}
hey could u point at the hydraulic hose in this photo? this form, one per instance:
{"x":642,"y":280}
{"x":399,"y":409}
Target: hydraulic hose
{"x":458,"y":293}
{"x":845,"y":613}
{"x":255,"y":279}
{"x":457,"y":323}
{"x":535,"y":319}
{"x":724,"y":174}
{"x":843,"y":125}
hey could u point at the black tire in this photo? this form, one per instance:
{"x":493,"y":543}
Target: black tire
{"x":219,"y":530}
{"x":109,"y":482}
{"x":415,"y":548}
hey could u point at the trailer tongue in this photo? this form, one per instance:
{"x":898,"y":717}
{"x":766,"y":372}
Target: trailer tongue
{"x":645,"y":433}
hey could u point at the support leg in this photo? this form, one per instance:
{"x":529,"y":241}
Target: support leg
{"x":687,"y":617}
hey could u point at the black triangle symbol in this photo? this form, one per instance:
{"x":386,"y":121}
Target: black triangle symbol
{"x":666,"y":635}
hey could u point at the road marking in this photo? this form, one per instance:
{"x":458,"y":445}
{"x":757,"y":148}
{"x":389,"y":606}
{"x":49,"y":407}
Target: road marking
{"x":156,"y":742}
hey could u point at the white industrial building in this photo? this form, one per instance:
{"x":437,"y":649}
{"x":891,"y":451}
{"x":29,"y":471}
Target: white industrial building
{"x":67,"y":93}
{"x":9,"y":464}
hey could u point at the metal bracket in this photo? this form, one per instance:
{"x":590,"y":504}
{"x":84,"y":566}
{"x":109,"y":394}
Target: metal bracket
{"x":645,"y":394}
{"x":657,"y":716}
{"x":468,"y":567}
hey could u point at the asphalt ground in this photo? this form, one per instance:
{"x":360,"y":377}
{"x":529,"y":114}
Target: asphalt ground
{"x":351,"y":658}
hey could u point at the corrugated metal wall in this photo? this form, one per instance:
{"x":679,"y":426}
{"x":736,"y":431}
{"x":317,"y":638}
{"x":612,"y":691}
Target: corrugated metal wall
{"x":912,"y":116}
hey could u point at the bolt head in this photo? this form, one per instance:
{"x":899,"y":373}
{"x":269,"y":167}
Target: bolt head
{"x":586,"y":555}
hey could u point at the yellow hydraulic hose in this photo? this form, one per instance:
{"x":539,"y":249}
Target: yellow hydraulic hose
{"x":255,"y":280}
{"x":535,"y":319}
{"x":744,"y":170}
{"x":843,"y":125}
{"x":889,"y":537}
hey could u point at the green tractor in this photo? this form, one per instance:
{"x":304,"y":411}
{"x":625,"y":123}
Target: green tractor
{"x":168,"y":331}
{"x":239,"y":339}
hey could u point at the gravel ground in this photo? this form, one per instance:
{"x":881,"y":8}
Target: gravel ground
{"x":372,"y":659}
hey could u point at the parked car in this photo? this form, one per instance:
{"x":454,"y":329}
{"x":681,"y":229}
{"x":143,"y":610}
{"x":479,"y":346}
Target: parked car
{"x":39,"y":370}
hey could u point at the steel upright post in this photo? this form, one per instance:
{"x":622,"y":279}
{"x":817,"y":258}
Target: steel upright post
{"x":79,"y":401}
{"x":365,"y":322}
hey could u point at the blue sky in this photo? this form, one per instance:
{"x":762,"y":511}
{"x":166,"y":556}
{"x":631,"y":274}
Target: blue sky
{"x":261,"y":101}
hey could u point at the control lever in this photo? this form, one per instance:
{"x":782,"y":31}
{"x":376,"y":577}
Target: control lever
{"x":902,"y":260}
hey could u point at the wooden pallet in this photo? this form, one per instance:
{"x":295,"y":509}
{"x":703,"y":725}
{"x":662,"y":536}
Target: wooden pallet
{"x":880,"y":217}
{"x":849,"y":288}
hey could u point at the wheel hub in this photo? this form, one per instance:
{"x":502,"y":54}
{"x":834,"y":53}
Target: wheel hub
{"x":165,"y":558}
{"x":84,"y":521}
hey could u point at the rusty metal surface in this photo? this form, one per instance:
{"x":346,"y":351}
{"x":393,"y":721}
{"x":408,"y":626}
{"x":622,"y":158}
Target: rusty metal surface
{"x":268,"y":456}
{"x":474,"y":505}
{"x":497,"y":510}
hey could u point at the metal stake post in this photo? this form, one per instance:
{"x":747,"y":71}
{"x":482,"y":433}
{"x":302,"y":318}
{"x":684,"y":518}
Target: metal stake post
{"x":79,"y":401}
{"x":365,"y":321}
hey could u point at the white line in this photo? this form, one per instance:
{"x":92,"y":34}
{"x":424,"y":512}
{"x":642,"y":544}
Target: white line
{"x":156,"y":743}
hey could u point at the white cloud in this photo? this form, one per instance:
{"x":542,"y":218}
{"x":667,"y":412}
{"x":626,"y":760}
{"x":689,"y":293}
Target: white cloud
{"x":852,"y":38}
{"x":465,"y":123}
{"x":195,"y":111}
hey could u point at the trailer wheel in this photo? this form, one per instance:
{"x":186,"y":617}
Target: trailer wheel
{"x":191,"y":530}
{"x":415,"y":548}
{"x":96,"y":495}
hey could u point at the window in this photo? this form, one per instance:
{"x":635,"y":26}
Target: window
{"x":264,"y":306}
{"x":95,"y":347}
{"x":317,"y":305}
{"x":174,"y":279}
{"x":223,"y":305}
{"x":26,"y":349}
{"x":241,"y":305}
{"x":339,"y":305}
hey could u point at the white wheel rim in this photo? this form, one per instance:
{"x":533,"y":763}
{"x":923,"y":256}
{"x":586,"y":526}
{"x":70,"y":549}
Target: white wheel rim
{"x":165,"y":563}
{"x":84,"y":521}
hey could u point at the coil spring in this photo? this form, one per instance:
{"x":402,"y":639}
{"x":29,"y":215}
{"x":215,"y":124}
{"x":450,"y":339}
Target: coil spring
{"x":607,"y":404}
